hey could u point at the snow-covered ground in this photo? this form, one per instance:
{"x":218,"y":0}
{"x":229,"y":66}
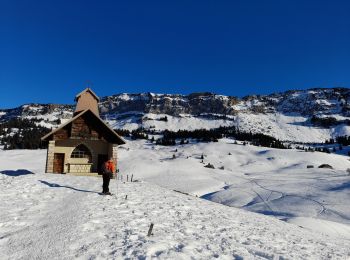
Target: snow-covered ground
{"x":269,"y":181}
{"x":49,"y":216}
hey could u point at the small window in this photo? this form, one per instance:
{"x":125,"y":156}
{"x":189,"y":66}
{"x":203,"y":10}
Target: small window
{"x":81,"y":151}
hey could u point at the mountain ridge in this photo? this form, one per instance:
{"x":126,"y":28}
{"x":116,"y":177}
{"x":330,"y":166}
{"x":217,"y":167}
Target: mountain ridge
{"x":324,"y":111}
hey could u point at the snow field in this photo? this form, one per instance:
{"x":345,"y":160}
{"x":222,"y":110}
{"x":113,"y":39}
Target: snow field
{"x":268,"y":181}
{"x":63,"y":217}
{"x":50,"y":216}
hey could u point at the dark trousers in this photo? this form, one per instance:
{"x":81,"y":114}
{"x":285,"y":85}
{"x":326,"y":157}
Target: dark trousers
{"x":106,"y":179}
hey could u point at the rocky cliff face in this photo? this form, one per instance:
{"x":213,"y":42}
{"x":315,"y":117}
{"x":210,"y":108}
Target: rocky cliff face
{"x":305,"y":102}
{"x":194,"y":104}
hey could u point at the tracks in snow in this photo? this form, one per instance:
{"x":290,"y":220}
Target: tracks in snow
{"x":283,"y":195}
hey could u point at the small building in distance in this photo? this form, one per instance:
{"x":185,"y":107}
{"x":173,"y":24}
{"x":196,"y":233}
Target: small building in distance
{"x":82,"y":144}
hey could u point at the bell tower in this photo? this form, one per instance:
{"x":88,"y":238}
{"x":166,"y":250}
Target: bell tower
{"x":86,"y":99}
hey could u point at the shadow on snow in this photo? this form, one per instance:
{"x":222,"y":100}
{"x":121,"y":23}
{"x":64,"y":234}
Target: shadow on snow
{"x":208,"y":196}
{"x":55,"y":185}
{"x":343,"y":186}
{"x":16,"y":173}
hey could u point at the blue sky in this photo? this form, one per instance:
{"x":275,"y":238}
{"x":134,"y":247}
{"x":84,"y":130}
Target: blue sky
{"x":49,"y":50}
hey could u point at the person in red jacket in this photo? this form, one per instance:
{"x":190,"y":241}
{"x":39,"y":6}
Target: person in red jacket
{"x":108,"y":169}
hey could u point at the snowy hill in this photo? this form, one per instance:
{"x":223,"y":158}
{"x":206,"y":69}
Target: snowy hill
{"x":312,"y":115}
{"x":63,"y":217}
{"x":264,"y":180}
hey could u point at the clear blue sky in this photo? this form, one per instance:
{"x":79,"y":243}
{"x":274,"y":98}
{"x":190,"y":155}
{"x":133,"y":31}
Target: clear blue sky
{"x":50,"y":49}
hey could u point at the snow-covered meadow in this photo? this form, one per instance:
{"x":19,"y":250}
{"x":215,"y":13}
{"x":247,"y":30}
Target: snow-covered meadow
{"x":269,"y":181}
{"x":48,"y":216}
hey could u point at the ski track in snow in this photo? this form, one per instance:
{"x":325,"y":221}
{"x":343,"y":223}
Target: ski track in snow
{"x":283,"y":195}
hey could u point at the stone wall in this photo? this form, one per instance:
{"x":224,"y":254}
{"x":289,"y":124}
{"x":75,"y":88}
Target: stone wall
{"x":81,"y":129}
{"x":61,"y":134}
{"x":50,"y":156}
{"x":113,"y":152}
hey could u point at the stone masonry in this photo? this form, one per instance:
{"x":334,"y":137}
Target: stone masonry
{"x":115,"y":153}
{"x":50,"y":156}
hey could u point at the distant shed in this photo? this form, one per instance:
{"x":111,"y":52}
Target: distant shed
{"x":82,"y":144}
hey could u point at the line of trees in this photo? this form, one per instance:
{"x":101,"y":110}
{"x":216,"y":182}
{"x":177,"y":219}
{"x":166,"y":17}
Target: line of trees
{"x":343,"y":140}
{"x":212,"y":135}
{"x":203,"y":135}
{"x":139,"y":133}
{"x":327,"y":121}
{"x":22,"y":134}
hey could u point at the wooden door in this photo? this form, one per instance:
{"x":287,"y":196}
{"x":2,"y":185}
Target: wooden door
{"x":58,"y":162}
{"x":100,"y":160}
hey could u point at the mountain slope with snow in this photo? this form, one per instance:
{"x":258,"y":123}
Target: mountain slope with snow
{"x":291,"y":116}
{"x":48,"y":216}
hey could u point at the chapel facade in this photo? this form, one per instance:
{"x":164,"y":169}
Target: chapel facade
{"x":82,"y":144}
